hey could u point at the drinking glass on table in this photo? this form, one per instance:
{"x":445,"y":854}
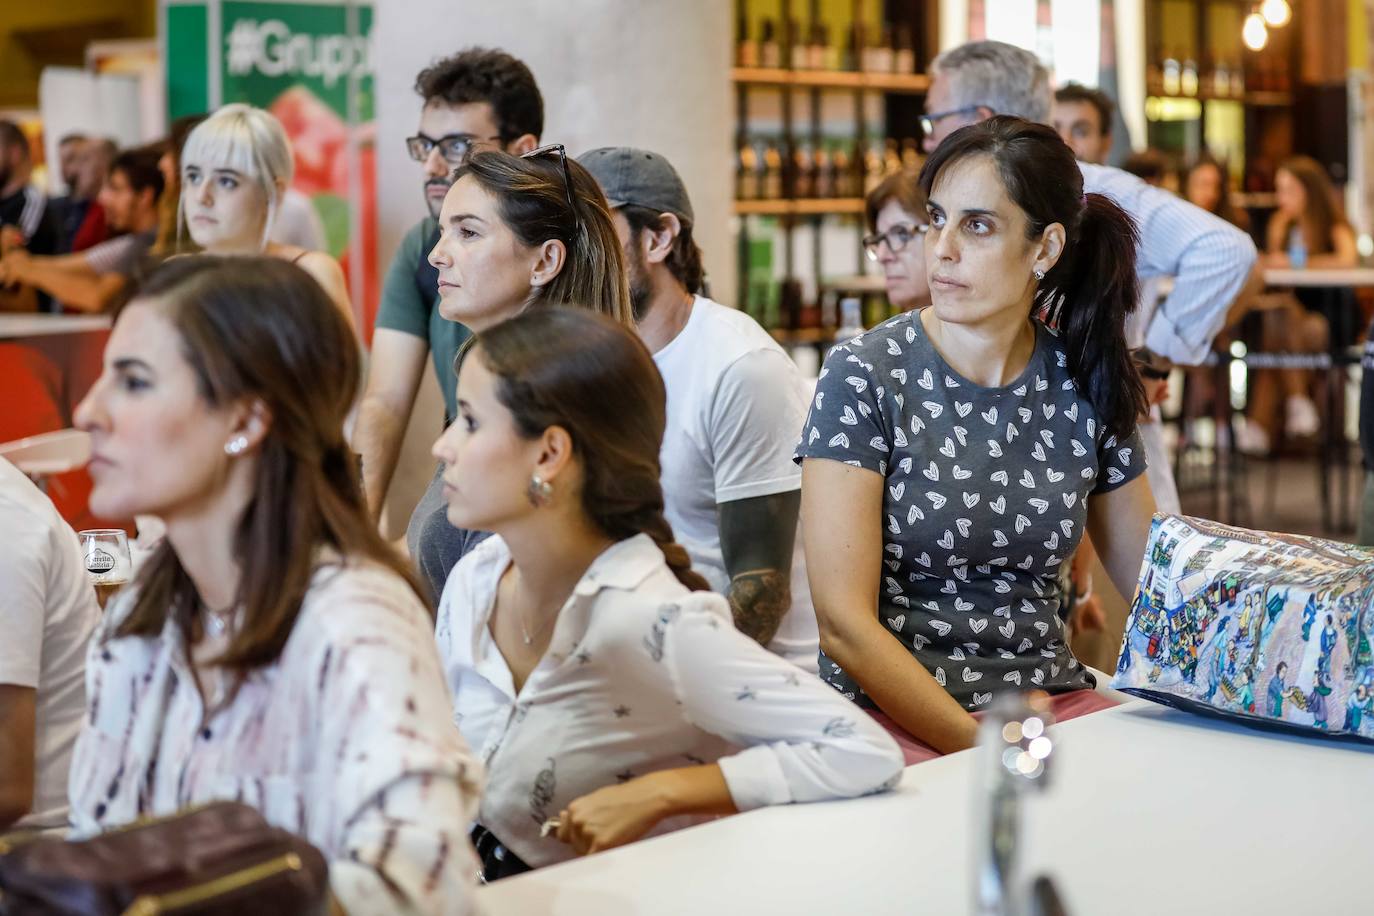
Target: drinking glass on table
{"x":106,"y":552}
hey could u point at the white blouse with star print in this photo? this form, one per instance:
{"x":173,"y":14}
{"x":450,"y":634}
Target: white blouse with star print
{"x":641,"y":675}
{"x":345,"y":740}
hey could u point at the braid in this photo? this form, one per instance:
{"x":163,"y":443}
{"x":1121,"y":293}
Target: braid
{"x":648,"y":519}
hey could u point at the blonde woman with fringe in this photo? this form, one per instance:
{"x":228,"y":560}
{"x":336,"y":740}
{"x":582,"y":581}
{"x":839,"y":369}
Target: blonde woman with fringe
{"x":235,"y":169}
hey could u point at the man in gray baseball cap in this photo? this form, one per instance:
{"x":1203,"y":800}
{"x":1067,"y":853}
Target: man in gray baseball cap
{"x":735,"y":409}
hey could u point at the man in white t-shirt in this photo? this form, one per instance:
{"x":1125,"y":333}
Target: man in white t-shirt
{"x":47,"y":616}
{"x":736,"y":406}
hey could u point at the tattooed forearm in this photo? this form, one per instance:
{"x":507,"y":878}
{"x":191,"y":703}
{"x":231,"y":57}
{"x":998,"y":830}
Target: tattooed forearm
{"x":758,"y":599}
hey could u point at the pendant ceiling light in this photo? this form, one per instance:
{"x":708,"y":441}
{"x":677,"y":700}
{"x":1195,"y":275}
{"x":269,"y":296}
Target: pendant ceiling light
{"x":1276,"y":13}
{"x":1254,"y":34}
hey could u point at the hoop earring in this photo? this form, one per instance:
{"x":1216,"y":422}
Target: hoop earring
{"x":539,"y":492}
{"x":1039,"y":274}
{"x":236,"y":446}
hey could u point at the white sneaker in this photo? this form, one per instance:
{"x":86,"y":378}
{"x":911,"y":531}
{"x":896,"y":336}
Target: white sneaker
{"x":1251,"y":439}
{"x":1301,"y":415}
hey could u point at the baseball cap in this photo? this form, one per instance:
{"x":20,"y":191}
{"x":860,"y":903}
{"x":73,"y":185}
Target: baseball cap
{"x":639,"y":178}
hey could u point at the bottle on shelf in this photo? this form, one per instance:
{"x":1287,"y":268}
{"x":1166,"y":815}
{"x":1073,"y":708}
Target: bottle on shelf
{"x":911,"y":154}
{"x":1221,"y":79}
{"x":825,"y":172}
{"x":842,"y":172}
{"x":873,"y":166}
{"x":851,"y":319}
{"x":1172,"y":80}
{"x":794,"y":46}
{"x":770,"y":53}
{"x":1237,"y":81}
{"x":805,"y":174}
{"x":1154,"y":73}
{"x":851,"y":57}
{"x":790,"y":303}
{"x":833,"y":56}
{"x":881,"y":53}
{"x":1187,"y":82}
{"x":892,"y":157}
{"x":746,"y":172}
{"x":904,"y":58}
{"x":771,"y":186}
{"x":747,"y":54}
{"x":816,"y":49}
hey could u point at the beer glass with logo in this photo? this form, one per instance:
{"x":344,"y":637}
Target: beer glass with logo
{"x":106,"y":551}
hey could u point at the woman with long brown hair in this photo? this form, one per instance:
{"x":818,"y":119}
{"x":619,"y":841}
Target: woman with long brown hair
{"x":1309,"y":230}
{"x":516,"y":232}
{"x":273,"y":642}
{"x":604,"y":686}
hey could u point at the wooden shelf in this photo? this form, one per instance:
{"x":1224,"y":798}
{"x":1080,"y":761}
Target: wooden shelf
{"x":1257,"y":99}
{"x":817,"y":206}
{"x":911,"y":83}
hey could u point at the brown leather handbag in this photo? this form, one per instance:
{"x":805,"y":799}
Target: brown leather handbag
{"x":213,"y":860}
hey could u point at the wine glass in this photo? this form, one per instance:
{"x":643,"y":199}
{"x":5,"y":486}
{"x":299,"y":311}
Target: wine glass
{"x":106,"y":552}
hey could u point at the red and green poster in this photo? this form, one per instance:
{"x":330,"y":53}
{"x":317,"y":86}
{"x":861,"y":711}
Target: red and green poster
{"x":311,"y":65}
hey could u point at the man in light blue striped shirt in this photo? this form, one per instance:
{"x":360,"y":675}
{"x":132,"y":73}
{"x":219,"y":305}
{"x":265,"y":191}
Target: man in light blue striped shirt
{"x":1208,"y":258}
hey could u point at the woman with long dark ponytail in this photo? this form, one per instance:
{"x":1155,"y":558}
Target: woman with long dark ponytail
{"x":954,"y":457}
{"x":602,"y":683}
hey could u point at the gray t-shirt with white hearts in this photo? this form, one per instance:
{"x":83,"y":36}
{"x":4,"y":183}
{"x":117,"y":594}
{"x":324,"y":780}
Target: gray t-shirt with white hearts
{"x":985,"y":498}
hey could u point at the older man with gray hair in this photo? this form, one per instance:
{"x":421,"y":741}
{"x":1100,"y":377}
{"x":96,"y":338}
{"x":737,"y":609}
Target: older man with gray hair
{"x":1209,"y":259}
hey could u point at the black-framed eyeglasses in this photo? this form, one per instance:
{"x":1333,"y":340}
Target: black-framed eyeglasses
{"x":562,"y":153}
{"x":897,"y":238}
{"x":455,"y":148}
{"x":929,"y":121}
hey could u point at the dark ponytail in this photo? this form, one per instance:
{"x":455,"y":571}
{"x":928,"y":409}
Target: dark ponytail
{"x":578,"y":370}
{"x":1092,"y":289}
{"x":1088,"y":296}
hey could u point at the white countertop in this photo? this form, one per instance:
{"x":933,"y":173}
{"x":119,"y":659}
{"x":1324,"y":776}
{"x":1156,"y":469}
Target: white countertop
{"x":27,"y":324}
{"x":1151,"y":811}
{"x":1355,"y":276}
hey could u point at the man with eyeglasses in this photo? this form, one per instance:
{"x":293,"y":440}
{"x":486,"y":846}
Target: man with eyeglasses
{"x":477,"y":99}
{"x":1209,"y":260}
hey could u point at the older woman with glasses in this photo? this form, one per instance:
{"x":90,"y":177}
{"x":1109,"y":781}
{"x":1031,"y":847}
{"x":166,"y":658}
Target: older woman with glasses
{"x":896,"y":211}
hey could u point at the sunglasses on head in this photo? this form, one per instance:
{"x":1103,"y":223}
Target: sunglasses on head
{"x":561,"y":152}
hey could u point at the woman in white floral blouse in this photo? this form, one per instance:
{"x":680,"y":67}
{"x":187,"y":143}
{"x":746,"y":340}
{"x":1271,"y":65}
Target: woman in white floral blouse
{"x":605,"y":688}
{"x":272,"y":650}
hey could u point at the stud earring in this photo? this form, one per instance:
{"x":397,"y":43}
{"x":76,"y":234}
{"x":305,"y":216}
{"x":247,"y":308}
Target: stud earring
{"x":236,"y":446}
{"x":1039,"y":274}
{"x":540,"y":492}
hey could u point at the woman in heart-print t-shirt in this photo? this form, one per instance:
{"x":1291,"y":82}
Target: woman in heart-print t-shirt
{"x":954,"y":457}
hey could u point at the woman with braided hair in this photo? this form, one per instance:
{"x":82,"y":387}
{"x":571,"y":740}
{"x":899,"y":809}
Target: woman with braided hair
{"x":601,"y":682}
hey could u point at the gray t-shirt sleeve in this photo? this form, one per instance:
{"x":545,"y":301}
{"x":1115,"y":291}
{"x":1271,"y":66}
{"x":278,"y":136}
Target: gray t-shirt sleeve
{"x":402,"y":307}
{"x":845,"y":422}
{"x":1118,"y":463}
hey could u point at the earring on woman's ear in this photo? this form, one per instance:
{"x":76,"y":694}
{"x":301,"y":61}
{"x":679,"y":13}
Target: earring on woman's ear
{"x":1039,"y":274}
{"x":236,"y":445}
{"x":540,"y":492}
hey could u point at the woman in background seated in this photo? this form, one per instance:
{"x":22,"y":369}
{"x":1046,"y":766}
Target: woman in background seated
{"x":1309,"y":230}
{"x":896,"y":211}
{"x":1206,"y":185}
{"x":273,"y":650}
{"x":954,"y":456}
{"x":236,"y":167}
{"x":606,"y":689}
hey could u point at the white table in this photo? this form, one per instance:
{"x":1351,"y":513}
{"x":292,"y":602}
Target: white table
{"x":34,"y":325}
{"x":1287,"y":277}
{"x":1151,"y":811}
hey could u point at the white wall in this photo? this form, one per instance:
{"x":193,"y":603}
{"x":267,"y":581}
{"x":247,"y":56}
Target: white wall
{"x":647,"y":73}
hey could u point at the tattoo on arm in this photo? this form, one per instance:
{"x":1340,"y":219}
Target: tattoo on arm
{"x":758,"y":600}
{"x":757,"y":536}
